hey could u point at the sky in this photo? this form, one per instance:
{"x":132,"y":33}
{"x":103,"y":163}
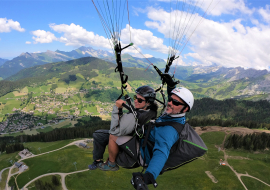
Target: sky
{"x":230,"y":33}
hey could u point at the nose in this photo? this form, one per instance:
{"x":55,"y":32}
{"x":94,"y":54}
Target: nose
{"x":170,"y":103}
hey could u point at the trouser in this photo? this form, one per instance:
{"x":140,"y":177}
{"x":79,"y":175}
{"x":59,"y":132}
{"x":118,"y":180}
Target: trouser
{"x":101,"y":140}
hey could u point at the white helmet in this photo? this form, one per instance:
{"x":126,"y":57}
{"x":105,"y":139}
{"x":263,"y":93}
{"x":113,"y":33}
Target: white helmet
{"x":185,"y":95}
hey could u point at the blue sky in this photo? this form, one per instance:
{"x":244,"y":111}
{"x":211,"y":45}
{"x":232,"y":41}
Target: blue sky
{"x":235,"y":32}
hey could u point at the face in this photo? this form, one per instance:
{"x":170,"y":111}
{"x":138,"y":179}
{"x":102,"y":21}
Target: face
{"x":173,"y":109}
{"x":140,"y":105}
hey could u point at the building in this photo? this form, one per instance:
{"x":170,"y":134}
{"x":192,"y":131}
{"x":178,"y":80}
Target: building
{"x":18,"y":164}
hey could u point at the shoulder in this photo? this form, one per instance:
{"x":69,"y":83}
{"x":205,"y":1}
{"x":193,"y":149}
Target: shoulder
{"x":146,"y":113}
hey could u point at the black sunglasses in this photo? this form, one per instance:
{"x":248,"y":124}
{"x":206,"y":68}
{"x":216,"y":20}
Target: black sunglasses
{"x":175,"y":102}
{"x":139,"y":99}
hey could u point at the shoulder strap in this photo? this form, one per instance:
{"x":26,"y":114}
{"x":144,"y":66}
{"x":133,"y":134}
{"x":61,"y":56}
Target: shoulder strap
{"x":177,"y":126}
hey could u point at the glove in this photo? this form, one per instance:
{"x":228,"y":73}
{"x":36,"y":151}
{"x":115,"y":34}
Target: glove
{"x":166,"y":78}
{"x":140,"y":181}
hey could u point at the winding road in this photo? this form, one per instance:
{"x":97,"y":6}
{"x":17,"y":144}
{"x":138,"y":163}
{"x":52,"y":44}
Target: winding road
{"x":61,"y":174}
{"x":239,"y":175}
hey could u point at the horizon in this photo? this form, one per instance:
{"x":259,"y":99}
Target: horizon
{"x":234,"y":33}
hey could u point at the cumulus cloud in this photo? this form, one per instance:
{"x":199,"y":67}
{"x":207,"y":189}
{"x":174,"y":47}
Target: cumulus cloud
{"x":230,"y":43}
{"x":6,"y":25}
{"x":75,"y":35}
{"x":265,"y":13}
{"x":27,"y":42}
{"x":144,"y":39}
{"x":217,"y":7}
{"x":41,"y":36}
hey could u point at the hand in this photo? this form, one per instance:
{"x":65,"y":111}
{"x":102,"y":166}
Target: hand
{"x":166,"y":78}
{"x":137,"y":182}
{"x":119,"y":103}
{"x":140,"y":181}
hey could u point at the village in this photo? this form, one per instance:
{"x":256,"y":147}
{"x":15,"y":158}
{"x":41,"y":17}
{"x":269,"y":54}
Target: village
{"x":35,"y":110}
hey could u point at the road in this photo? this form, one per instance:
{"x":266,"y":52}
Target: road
{"x":239,"y":175}
{"x":2,"y":172}
{"x":63,"y":180}
{"x":63,"y":176}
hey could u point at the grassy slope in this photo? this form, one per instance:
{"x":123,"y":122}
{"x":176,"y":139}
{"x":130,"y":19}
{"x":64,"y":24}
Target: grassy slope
{"x":59,"y":161}
{"x":47,"y":179}
{"x":5,"y":159}
{"x":251,"y":183}
{"x":190,"y":176}
{"x":46,"y":146}
{"x":4,"y":178}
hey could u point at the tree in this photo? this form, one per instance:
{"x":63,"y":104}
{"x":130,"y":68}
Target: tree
{"x":55,"y":180}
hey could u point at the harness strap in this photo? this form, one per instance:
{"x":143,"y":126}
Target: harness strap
{"x":177,"y":126}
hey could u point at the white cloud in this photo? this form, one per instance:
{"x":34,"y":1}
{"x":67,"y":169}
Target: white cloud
{"x":230,"y":44}
{"x":6,"y":25}
{"x":265,"y":13}
{"x":75,"y":35}
{"x":144,"y":39}
{"x":216,"y":7}
{"x":41,"y":36}
{"x":27,"y":42}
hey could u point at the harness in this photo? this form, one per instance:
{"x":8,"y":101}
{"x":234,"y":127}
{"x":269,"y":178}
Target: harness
{"x":186,"y":149}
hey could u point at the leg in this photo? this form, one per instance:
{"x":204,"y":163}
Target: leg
{"x":101,"y":139}
{"x":113,"y":148}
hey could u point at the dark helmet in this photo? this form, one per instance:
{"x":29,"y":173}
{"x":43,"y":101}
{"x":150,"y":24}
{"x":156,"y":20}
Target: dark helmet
{"x":147,"y":92}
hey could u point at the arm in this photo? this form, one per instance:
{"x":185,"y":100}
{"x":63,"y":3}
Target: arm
{"x":121,"y":124}
{"x":165,"y":137}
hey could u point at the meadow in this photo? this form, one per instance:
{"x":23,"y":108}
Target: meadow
{"x":46,"y":146}
{"x":5,"y":159}
{"x":191,"y":176}
{"x":46,"y":179}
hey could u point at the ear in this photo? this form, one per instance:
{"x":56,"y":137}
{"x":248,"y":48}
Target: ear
{"x":185,"y":110}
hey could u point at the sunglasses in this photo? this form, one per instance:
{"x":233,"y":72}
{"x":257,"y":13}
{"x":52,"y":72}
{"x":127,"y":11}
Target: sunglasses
{"x":175,"y":102}
{"x":139,"y":99}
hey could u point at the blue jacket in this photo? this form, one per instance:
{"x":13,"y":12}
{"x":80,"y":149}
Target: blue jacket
{"x":164,"y":138}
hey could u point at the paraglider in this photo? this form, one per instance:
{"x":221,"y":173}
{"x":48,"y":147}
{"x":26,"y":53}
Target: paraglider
{"x":184,"y":20}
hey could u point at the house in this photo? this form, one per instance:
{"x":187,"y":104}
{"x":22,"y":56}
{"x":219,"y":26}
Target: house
{"x":25,"y":152}
{"x":84,"y":145}
{"x":18,"y":164}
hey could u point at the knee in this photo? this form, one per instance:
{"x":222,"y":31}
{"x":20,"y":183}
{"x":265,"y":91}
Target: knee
{"x":113,"y":138}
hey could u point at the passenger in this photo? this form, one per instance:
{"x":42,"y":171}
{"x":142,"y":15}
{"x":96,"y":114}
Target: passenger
{"x":122,"y":125}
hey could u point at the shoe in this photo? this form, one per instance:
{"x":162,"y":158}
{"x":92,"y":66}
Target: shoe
{"x":94,"y":165}
{"x":108,"y":166}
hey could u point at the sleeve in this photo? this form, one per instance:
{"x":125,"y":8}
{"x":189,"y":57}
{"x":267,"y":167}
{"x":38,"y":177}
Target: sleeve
{"x":165,"y":137}
{"x":121,"y":125}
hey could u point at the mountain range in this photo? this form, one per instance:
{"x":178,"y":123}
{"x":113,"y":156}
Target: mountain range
{"x":26,"y":60}
{"x":2,"y":61}
{"x":213,"y":81}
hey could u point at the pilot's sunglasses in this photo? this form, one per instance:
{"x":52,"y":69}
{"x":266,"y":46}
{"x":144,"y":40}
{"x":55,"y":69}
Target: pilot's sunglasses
{"x":175,"y":102}
{"x":139,"y":99}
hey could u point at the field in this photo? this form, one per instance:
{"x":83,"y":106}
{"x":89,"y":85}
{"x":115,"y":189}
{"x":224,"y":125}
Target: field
{"x":59,"y":161}
{"x":6,"y":158}
{"x":47,"y":146}
{"x":46,"y":179}
{"x":3,"y":181}
{"x":191,"y":176}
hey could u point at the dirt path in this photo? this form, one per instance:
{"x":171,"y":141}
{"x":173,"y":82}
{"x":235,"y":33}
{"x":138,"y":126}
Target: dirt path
{"x":63,"y":176}
{"x":63,"y":184}
{"x":2,"y":172}
{"x":239,"y":175}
